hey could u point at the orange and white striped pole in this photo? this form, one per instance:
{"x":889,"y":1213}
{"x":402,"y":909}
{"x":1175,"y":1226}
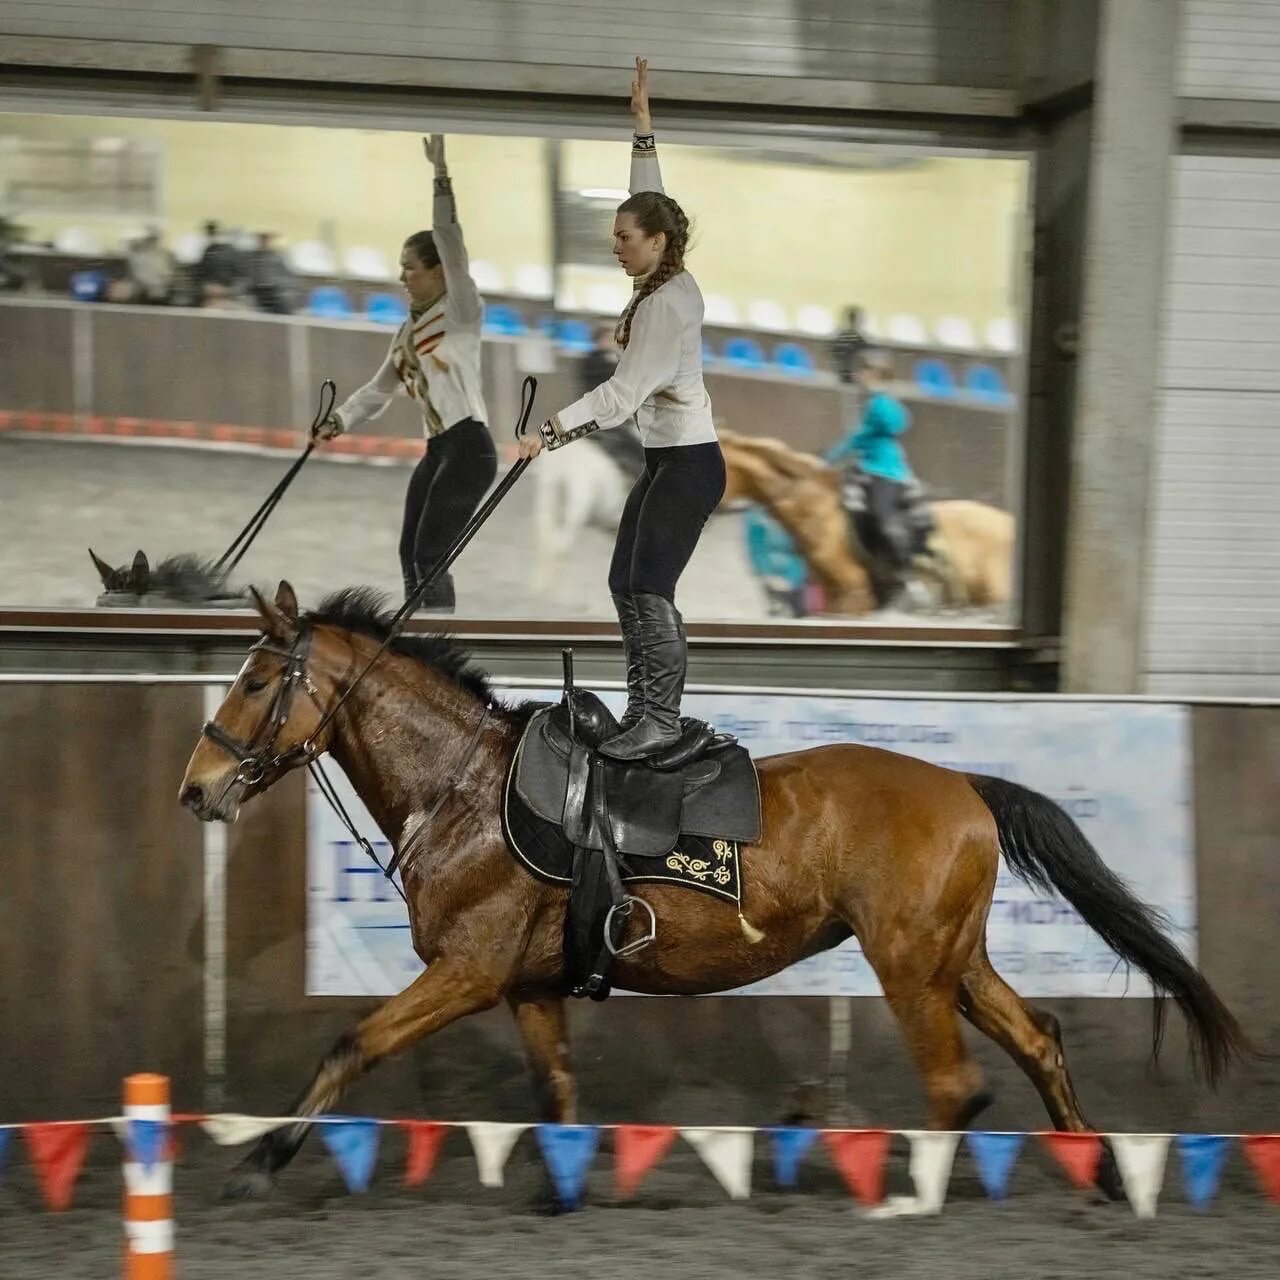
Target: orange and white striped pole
{"x":148,"y":1192}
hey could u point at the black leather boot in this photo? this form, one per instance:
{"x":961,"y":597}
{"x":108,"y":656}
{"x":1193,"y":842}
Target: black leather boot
{"x":664,"y":656}
{"x":633,"y":656}
{"x":439,"y":597}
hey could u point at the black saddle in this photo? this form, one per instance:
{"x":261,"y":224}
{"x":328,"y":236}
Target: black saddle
{"x":614,"y":812}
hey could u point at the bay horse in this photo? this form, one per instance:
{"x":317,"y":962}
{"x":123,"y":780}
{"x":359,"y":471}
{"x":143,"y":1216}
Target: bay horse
{"x":970,"y":552}
{"x":855,"y":840}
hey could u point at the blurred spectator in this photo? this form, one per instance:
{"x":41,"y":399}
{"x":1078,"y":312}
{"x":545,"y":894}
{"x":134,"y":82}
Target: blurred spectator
{"x":220,"y":269}
{"x":599,"y":364}
{"x":151,"y":270}
{"x":271,"y":283}
{"x":848,"y":345}
{"x":777,"y":564}
{"x":12,"y":275}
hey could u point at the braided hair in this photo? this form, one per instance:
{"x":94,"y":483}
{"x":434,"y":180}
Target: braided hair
{"x":655,"y":212}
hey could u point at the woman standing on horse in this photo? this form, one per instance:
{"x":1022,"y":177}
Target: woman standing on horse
{"x":435,"y":358}
{"x":658,"y":383}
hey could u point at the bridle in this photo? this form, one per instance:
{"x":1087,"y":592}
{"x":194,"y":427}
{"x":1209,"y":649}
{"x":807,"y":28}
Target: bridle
{"x":258,"y":757}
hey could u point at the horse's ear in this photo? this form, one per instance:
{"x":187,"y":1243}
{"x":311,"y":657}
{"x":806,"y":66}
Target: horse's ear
{"x":140,"y":573}
{"x":287,"y":601}
{"x":110,"y":577}
{"x":274,"y":623}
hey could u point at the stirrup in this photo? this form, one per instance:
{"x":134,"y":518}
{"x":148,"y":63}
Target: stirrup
{"x":625,"y":908}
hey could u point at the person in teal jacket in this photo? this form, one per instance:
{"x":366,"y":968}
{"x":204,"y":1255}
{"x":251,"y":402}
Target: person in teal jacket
{"x":877,"y":449}
{"x":775,"y":561}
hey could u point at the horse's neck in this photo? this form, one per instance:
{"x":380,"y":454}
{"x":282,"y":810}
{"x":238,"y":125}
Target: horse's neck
{"x":401,"y":746}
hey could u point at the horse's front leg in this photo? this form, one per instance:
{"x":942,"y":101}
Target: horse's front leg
{"x":448,"y":990}
{"x":544,"y":1031}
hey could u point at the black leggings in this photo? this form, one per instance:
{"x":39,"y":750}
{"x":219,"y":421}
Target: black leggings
{"x":444,"y":491}
{"x":678,"y":489}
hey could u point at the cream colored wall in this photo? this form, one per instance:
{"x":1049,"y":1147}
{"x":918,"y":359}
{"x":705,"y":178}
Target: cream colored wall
{"x":360,"y":187}
{"x":935,"y":239}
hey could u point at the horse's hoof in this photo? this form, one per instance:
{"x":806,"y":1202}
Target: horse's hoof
{"x":1109,"y":1182}
{"x":248,"y":1184}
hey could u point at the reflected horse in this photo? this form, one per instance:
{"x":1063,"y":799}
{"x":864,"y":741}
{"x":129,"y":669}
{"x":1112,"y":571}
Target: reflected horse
{"x":969,"y":555}
{"x":176,"y":581}
{"x":855,"y":841}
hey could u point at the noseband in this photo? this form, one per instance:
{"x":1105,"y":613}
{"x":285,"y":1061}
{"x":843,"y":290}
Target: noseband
{"x":258,"y":756}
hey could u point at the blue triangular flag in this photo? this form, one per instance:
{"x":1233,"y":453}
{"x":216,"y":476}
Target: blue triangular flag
{"x":994,"y":1154}
{"x":5,"y":1135}
{"x":354,"y":1146}
{"x":789,"y":1148}
{"x":145,"y":1142}
{"x":568,"y":1150}
{"x":1203,"y":1155}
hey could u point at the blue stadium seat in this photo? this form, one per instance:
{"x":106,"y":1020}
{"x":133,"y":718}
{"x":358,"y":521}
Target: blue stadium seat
{"x":794,"y":359}
{"x":386,"y":308}
{"x":330,"y":303}
{"x":574,"y":337}
{"x":934,"y":378}
{"x":88,"y":286}
{"x":499,"y":318}
{"x":986,"y":383}
{"x":744,"y":353}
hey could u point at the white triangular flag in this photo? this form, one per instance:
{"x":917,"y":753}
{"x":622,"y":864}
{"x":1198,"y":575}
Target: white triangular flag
{"x":727,"y":1153}
{"x":230,"y":1129}
{"x":492,"y":1143}
{"x":1141,"y":1158}
{"x":932,"y":1154}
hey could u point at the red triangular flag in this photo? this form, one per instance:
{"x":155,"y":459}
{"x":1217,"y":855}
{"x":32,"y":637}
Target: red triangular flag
{"x":860,"y":1154}
{"x":637,"y":1148}
{"x":1078,"y":1153}
{"x":58,"y":1151}
{"x":425,"y":1139}
{"x":1263,"y":1150}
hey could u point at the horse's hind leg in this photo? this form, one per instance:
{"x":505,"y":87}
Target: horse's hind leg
{"x":544,"y":1032}
{"x":445,"y":992}
{"x":1033,"y":1039}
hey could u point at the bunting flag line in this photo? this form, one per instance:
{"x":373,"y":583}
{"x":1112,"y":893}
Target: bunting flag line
{"x":1141,"y":1157}
{"x":1079,"y":1154}
{"x":58,"y":1151}
{"x":636,"y":1149}
{"x":1203,"y":1157}
{"x":932,"y":1155}
{"x":727,"y":1153}
{"x":859,"y":1155}
{"x":353,"y":1144}
{"x":426,"y":1137}
{"x":568,"y":1150}
{"x":995,"y":1155}
{"x":146,"y":1142}
{"x":492,"y":1143}
{"x":790,"y":1146}
{"x":1263,"y":1151}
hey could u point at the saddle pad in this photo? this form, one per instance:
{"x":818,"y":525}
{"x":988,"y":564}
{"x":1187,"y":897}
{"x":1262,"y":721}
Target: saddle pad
{"x":698,"y":862}
{"x":717,"y":797}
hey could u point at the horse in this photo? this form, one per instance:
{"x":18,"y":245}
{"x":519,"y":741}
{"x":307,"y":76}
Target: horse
{"x":855,"y":841}
{"x":176,"y":581}
{"x":969,"y":555}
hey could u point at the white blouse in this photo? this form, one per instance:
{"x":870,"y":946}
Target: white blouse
{"x":658,"y":382}
{"x":435,"y":356}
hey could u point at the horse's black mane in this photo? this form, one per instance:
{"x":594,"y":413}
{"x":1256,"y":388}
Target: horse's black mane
{"x":367,"y":613}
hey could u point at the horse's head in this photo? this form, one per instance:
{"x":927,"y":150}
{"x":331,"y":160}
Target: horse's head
{"x":264,"y":728}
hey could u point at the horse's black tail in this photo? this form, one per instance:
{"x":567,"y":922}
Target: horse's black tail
{"x":1045,"y":849}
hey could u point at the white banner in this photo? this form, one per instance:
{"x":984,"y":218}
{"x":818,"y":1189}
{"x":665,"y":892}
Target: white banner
{"x":1120,"y":769}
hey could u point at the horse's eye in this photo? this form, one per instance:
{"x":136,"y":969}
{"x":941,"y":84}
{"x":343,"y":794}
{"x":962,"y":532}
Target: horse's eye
{"x":253,"y":684}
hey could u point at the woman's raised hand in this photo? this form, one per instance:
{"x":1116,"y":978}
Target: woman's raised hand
{"x":433,"y":146}
{"x":640,"y":97}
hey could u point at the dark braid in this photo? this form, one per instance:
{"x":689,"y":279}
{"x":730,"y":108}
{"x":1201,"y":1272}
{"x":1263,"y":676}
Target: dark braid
{"x":655,"y":212}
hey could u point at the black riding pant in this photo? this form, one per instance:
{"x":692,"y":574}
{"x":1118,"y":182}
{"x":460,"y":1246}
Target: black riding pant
{"x":444,"y":491}
{"x":887,"y":507}
{"x":669,"y":503}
